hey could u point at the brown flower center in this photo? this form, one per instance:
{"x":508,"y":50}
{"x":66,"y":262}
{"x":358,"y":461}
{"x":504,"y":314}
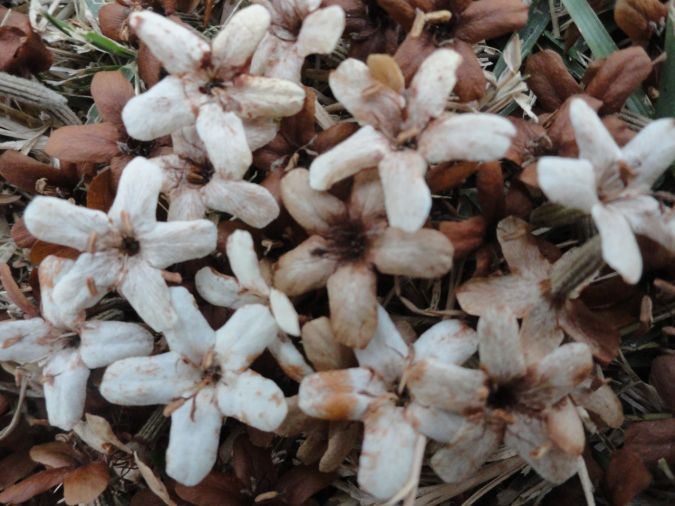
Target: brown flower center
{"x":503,"y":396}
{"x":348,"y":241}
{"x":209,"y":87}
{"x":138,"y":148}
{"x":130,"y":246}
{"x":198,"y":173}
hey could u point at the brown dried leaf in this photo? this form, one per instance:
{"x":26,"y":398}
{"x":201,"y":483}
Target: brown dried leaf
{"x":24,"y":172}
{"x":561,"y":131}
{"x":84,"y":143}
{"x":332,"y":136}
{"x":86,"y":483}
{"x":21,"y":49}
{"x":626,"y":476}
{"x":252,"y":464}
{"x":490,"y":189}
{"x":149,"y":67}
{"x":471,"y":81}
{"x":634,"y":17}
{"x":620,"y":74}
{"x":487,"y":19}
{"x":652,"y":440}
{"x":343,"y":437}
{"x":466,"y":235}
{"x":34,"y":485}
{"x":111,"y":92}
{"x":100,"y":194}
{"x":662,"y":376}
{"x":41,"y":250}
{"x":217,"y":489}
{"x":300,"y":483}
{"x":549,"y":79}
{"x":14,"y":467}
{"x":584,"y":326}
{"x":98,"y":434}
{"x":446,"y":176}
{"x":400,"y":11}
{"x":55,"y":454}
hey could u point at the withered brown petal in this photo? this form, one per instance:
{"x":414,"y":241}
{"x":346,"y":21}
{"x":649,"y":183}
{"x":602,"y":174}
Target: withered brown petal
{"x":490,"y":189}
{"x":652,"y":440}
{"x":100,"y":194}
{"x":486,"y":19}
{"x":149,"y":67}
{"x":34,"y":485}
{"x":111,"y":92}
{"x":530,"y":142}
{"x":41,"y":250}
{"x":400,"y":11}
{"x":300,"y":127}
{"x":561,"y":132}
{"x":86,"y":483}
{"x":634,"y":17}
{"x":620,"y":130}
{"x":470,"y":78}
{"x":300,"y":483}
{"x":113,"y":19}
{"x":54,"y":454}
{"x":626,"y":476}
{"x":621,"y":73}
{"x":446,"y":176}
{"x":412,"y":52}
{"x":21,"y":49}
{"x":21,"y":236}
{"x":549,"y":79}
{"x":662,"y":376}
{"x":24,"y":172}
{"x":584,"y":326}
{"x":217,"y":489}
{"x":465,"y":235}
{"x":333,"y":136}
{"x":84,"y":143}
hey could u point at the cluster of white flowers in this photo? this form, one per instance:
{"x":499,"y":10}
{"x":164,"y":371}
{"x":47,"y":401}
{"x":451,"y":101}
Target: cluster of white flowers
{"x":222,"y":100}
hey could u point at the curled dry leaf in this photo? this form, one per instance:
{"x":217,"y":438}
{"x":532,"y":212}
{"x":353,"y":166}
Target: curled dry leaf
{"x":84,"y":484}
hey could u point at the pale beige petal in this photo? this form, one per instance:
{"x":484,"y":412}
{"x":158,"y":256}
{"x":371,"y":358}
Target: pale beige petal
{"x":244,"y":262}
{"x":25,"y":341}
{"x":361,"y":150}
{"x":603,"y":402}
{"x":187,"y":143}
{"x":160,"y":111}
{"x":142,"y":381}
{"x":529,"y":437}
{"x":259,"y":131}
{"x":251,"y":203}
{"x":387,"y":352}
{"x":595,"y":143}
{"x":565,"y":428}
{"x":221,"y":290}
{"x":568,"y":181}
{"x":64,"y":379}
{"x":619,"y":246}
{"x":289,"y":358}
{"x":284,"y":313}
{"x":344,"y":394}
{"x":321,"y":31}
{"x":244,"y":337}
{"x":193,"y":438}
{"x":518,"y":294}
{"x":366,"y":201}
{"x":448,"y":341}
{"x":305,"y":268}
{"x":191,"y":336}
{"x":187,"y":51}
{"x":369,"y":101}
{"x":646,"y":217}
{"x":520,"y":249}
{"x":224,"y":140}
{"x":145,"y":289}
{"x":321,"y":348}
{"x":236,"y":42}
{"x":462,"y":459}
{"x":315,"y":211}
{"x":387,"y":452}
{"x":438,"y":424}
{"x":58,"y":221}
{"x":104,"y":342}
{"x":650,"y":152}
{"x":423,"y":254}
{"x":353,"y":305}
{"x":447,"y":386}
{"x":278,"y":58}
{"x":252,"y":399}
{"x":540,"y":333}
{"x":500,"y":351}
{"x":173,"y":242}
{"x":258,"y":96}
{"x":471,"y":136}
{"x":186,"y":204}
{"x":407,"y":197}
{"x":430,"y":88}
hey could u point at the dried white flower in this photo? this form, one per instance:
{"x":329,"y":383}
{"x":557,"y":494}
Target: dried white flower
{"x":298,"y":28}
{"x":209,"y":86}
{"x":249,"y":286}
{"x":126,"y":250}
{"x":195,"y":185}
{"x":405,"y":130}
{"x":204,"y":378}
{"x":67,"y":347}
{"x":374,"y":394}
{"x":613,"y":185}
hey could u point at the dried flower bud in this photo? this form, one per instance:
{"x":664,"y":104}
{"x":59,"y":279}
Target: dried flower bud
{"x":549,"y":79}
{"x":635,"y":16}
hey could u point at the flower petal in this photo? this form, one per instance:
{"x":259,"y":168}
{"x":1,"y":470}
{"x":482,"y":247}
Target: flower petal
{"x":289,"y":358}
{"x":251,"y":203}
{"x":173,"y":242}
{"x":186,"y":204}
{"x":321,"y":348}
{"x":387,"y":352}
{"x":315,"y":211}
{"x":448,"y":341}
{"x":104,"y":342}
{"x":191,"y":336}
{"x":225,"y":141}
{"x":471,"y":136}
{"x":369,"y":101}
{"x":366,"y":201}
{"x":145,"y":289}
{"x":244,"y":263}
{"x":269,"y":97}
{"x":111,"y":91}
{"x":650,"y":153}
{"x":568,"y":181}
{"x":96,"y":143}
{"x":284,"y":313}
{"x":236,"y":42}
{"x":387,"y":453}
{"x":24,"y":341}
{"x":619,"y":246}
{"x":259,"y":131}
{"x":142,"y":381}
{"x":520,"y":249}
{"x":65,"y":387}
{"x":252,"y":399}
{"x":361,"y":150}
{"x":187,"y":51}
{"x":422,"y":254}
{"x":407,"y":197}
{"x":321,"y":31}
{"x":429,"y":90}
{"x":245,"y":336}
{"x":540,"y":333}
{"x":221,"y":290}
{"x":58,"y":221}
{"x":501,"y":355}
{"x":193,"y":438}
{"x":353,"y":305}
{"x":518,"y":294}
{"x":586,"y":326}
{"x":305,"y":268}
{"x":565,"y":428}
{"x":343,"y":394}
{"x":160,"y":111}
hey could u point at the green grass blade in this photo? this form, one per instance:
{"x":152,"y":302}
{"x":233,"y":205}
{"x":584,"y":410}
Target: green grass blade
{"x":665,"y":107}
{"x":602,"y":45}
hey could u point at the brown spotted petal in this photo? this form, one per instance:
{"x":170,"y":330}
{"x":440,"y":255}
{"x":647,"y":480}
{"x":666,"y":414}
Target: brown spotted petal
{"x":620,"y":74}
{"x":549,"y":79}
{"x":487,"y":19}
{"x":85,"y":143}
{"x":636,"y":17}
